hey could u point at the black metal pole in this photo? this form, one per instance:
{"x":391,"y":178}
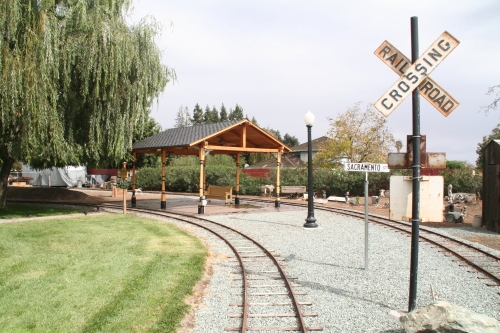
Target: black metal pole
{"x":310,"y":220}
{"x":415,"y":219}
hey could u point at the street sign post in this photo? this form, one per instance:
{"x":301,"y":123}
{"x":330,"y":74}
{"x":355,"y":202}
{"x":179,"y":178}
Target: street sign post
{"x":413,"y":78}
{"x":366,"y":167}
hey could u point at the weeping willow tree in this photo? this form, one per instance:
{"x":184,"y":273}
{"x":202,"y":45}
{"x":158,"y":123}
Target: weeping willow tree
{"x":76,"y":83}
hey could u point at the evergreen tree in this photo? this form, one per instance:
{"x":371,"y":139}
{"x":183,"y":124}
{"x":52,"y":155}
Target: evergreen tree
{"x":236,"y":114}
{"x":145,"y":160}
{"x":207,"y":117}
{"x":76,"y":82}
{"x":254,"y":121}
{"x":182,"y":119}
{"x":197,"y":115}
{"x":290,"y":141}
{"x":223,"y":113}
{"x":215,"y":115}
{"x":495,"y":135}
{"x":276,"y":134}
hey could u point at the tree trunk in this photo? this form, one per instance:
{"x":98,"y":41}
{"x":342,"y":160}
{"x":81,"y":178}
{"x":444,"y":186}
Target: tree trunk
{"x":7,"y":164}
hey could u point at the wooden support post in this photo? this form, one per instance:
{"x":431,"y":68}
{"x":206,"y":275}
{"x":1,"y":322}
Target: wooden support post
{"x":204,"y":174}
{"x":201,"y":203}
{"x":237,"y":198}
{"x":163,"y":166}
{"x":124,"y":200}
{"x":134,"y":198}
{"x":244,"y":136}
{"x":278,"y":167}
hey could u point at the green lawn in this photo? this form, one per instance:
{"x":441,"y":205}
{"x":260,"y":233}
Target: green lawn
{"x":105,"y":273}
{"x":13,"y":211}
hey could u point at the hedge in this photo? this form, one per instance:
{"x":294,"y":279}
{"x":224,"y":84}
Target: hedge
{"x":335,"y":182}
{"x":186,"y":179}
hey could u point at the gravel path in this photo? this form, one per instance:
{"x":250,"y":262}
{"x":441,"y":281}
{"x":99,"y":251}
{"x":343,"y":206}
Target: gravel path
{"x":329,"y":263}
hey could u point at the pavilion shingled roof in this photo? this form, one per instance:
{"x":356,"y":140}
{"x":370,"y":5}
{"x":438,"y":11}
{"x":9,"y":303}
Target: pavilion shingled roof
{"x":183,"y":136}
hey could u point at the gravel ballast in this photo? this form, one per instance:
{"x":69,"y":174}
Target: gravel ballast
{"x":329,"y":262}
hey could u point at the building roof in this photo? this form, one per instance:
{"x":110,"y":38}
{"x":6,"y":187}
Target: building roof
{"x":317,"y":144}
{"x":183,"y":136}
{"x":225,"y":137}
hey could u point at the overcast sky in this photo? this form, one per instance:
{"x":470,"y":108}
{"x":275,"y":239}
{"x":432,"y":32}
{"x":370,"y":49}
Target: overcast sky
{"x":279,"y":59}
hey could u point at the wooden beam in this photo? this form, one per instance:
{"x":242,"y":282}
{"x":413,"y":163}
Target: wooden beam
{"x":183,"y":151}
{"x":244,"y":136}
{"x":147,"y":151}
{"x":243,"y":150}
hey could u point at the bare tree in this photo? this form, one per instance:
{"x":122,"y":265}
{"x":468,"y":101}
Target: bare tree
{"x":493,"y":105}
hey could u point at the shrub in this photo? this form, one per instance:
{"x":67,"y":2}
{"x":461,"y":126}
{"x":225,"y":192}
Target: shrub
{"x":149,"y":179}
{"x":185,"y":178}
{"x":463,"y":180}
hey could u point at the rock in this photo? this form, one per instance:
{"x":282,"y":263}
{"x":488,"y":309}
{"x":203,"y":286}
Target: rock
{"x":454,"y":217}
{"x":445,"y":317}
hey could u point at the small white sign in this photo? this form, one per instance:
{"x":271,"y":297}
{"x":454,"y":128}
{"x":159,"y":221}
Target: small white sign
{"x":366,"y":167}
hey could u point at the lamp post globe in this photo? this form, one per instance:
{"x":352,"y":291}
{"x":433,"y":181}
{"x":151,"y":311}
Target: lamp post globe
{"x":309,"y":118}
{"x":310,"y":220}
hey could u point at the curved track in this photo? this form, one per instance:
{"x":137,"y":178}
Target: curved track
{"x":480,"y":261}
{"x":261,"y":275}
{"x":266,"y":297}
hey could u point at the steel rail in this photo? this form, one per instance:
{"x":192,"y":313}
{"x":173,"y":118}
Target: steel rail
{"x":405,"y":228}
{"x":296,"y":304}
{"x":163,"y":213}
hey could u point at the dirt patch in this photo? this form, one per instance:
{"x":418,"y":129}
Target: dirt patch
{"x":76,"y":195}
{"x":50,"y":194}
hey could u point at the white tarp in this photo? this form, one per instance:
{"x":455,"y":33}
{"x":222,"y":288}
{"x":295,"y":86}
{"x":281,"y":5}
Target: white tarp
{"x":97,"y":179}
{"x":67,"y":176}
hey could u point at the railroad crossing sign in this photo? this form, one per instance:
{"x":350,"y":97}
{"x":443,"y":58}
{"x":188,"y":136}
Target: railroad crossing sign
{"x":417,"y":75}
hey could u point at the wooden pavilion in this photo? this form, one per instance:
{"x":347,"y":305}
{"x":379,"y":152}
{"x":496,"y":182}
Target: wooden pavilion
{"x":233,"y":137}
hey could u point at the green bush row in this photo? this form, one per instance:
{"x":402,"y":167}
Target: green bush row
{"x":335,"y":182}
{"x":465,"y":180}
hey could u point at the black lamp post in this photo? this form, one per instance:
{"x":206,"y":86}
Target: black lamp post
{"x":310,"y":220}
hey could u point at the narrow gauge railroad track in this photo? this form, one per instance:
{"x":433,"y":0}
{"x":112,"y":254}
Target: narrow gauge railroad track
{"x":261,"y":275}
{"x":479,"y":260}
{"x":264,"y":269}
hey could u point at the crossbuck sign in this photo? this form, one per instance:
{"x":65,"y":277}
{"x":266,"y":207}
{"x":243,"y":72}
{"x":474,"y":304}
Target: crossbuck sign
{"x":417,"y":75}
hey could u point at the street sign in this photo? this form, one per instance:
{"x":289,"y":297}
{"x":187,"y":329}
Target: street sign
{"x":366,"y":167}
{"x":415,"y":74}
{"x":432,"y":92}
